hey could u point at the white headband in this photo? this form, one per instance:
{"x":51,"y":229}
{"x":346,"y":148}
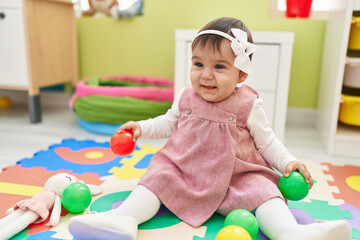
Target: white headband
{"x":240,"y":46}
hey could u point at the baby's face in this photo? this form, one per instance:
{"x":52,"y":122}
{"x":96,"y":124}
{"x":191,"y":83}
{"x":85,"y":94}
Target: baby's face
{"x":213,"y":74}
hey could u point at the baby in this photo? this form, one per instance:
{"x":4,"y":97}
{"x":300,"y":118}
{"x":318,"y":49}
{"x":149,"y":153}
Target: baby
{"x":220,"y":154}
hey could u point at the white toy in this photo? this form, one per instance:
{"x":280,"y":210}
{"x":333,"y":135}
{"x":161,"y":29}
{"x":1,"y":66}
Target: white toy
{"x":37,"y":208}
{"x":114,"y":8}
{"x":127,"y":11}
{"x":100,"y":6}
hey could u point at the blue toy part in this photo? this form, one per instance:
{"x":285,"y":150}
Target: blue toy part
{"x":99,"y":128}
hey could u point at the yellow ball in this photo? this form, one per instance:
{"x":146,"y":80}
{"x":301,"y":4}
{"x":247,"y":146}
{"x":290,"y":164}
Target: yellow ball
{"x":232,"y":232}
{"x":5,"y":102}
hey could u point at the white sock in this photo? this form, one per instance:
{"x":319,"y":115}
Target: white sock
{"x":277,"y":222}
{"x":275,"y":218}
{"x":330,"y":230}
{"x":120,"y":223}
{"x":141,"y":204}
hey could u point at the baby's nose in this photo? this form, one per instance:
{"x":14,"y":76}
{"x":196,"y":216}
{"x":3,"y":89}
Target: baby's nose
{"x":207,"y":74}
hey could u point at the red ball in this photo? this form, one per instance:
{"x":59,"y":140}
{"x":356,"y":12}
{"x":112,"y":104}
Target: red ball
{"x":122,"y":143}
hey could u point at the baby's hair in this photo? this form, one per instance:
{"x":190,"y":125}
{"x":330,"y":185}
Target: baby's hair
{"x":224,"y":24}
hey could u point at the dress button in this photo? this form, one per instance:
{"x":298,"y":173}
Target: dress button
{"x":230,"y":118}
{"x":188,"y":111}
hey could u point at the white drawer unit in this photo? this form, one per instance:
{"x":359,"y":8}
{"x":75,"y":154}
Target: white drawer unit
{"x":271,"y":70}
{"x":11,"y":3}
{"x":37,"y":49}
{"x":13,"y":61}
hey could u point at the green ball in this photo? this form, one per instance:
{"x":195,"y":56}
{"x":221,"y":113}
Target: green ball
{"x":294,"y":187}
{"x":76,"y":197}
{"x":245,"y":219}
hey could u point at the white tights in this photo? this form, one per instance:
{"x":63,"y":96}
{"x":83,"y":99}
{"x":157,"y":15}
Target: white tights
{"x":274,"y":218}
{"x":141,"y":204}
{"x":277,"y":222}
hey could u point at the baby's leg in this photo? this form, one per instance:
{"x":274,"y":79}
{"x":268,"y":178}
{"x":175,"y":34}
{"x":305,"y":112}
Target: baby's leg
{"x":275,"y":218}
{"x":141,"y":204}
{"x":120,"y":223}
{"x":22,"y":220}
{"x":277,"y":222}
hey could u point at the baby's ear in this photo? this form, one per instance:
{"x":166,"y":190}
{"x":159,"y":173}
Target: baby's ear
{"x":242,"y":77}
{"x":95,"y":190}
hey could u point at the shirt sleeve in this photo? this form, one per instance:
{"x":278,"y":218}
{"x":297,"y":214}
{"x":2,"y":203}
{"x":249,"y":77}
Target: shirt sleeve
{"x":162,"y":126}
{"x":269,"y":146}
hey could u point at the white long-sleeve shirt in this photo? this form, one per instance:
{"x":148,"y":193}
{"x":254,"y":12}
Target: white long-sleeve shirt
{"x":270,"y":147}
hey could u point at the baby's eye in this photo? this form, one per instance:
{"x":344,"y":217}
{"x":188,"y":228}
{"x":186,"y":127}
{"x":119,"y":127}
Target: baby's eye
{"x":198,"y":64}
{"x":218,"y":66}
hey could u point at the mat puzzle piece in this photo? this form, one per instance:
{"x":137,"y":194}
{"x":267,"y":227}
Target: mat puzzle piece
{"x":77,"y":156}
{"x":94,"y":163}
{"x":347,"y":180}
{"x":14,"y":188}
{"x":321,"y":189}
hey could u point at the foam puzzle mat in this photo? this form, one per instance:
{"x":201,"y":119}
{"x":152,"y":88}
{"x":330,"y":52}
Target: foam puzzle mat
{"x":335,"y":194}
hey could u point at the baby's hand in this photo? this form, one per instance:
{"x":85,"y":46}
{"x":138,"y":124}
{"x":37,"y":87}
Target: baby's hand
{"x":301,"y":167}
{"x":134,"y":127}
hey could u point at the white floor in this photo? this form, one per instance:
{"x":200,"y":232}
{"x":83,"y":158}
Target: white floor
{"x":20,"y":139}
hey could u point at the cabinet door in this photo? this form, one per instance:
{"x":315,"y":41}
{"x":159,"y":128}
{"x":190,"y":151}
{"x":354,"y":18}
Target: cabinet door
{"x":265,"y":68}
{"x":13,"y":63}
{"x":269,"y":106}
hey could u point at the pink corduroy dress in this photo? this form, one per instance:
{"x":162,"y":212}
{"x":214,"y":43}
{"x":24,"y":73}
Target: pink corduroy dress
{"x":210,"y":162}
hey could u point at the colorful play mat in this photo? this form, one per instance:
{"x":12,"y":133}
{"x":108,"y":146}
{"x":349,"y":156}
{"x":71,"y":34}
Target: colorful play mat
{"x":335,"y":194}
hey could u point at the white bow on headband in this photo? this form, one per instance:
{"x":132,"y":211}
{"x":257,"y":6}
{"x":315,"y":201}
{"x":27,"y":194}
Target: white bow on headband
{"x":240,"y":46}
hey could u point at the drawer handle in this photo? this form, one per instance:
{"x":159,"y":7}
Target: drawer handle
{"x":2,"y":15}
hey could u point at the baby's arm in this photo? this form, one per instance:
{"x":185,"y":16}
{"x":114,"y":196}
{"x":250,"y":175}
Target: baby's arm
{"x":270,"y":147}
{"x":158,"y":127}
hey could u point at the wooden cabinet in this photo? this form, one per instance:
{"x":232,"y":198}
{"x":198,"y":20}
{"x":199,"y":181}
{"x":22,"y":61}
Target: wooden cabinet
{"x":272,"y":63}
{"x":37,"y":47}
{"x":338,"y":139}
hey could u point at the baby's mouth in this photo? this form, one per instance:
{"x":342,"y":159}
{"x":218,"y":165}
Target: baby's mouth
{"x":208,"y":87}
